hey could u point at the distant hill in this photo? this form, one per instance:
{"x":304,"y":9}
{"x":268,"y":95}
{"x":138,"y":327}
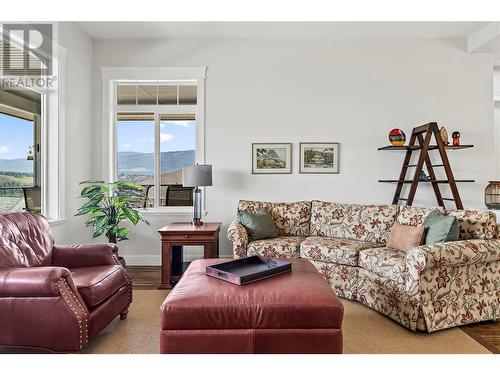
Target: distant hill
{"x":132,"y":163}
{"x":138,"y":163}
{"x":16,"y":165}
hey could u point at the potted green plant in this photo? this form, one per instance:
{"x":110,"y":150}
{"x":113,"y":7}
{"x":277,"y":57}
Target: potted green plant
{"x":110,"y":204}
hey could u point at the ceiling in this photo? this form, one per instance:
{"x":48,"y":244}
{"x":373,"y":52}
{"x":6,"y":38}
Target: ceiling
{"x":278,"y":30}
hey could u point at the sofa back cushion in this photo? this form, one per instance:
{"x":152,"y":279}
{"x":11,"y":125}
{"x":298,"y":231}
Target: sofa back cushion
{"x":415,"y":216}
{"x":291,"y":219}
{"x":370,"y":223}
{"x":25,"y":240}
{"x":473,"y":224}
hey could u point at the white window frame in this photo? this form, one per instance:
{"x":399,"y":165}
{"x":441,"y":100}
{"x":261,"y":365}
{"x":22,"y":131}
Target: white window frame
{"x":111,"y":77}
{"x":53,"y":122}
{"x":52,"y":137}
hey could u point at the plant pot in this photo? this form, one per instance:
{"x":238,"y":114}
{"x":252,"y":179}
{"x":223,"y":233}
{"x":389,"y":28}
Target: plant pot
{"x":122,"y":261}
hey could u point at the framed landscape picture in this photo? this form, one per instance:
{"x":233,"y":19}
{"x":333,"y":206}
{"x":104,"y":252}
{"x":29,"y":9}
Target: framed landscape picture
{"x":319,"y":157}
{"x":270,"y":158}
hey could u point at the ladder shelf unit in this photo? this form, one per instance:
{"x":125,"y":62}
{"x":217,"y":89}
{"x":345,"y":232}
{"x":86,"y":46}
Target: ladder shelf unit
{"x":420,"y":141}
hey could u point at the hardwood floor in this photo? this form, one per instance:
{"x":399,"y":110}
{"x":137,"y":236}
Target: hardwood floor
{"x":145,"y":277}
{"x":486,"y":333}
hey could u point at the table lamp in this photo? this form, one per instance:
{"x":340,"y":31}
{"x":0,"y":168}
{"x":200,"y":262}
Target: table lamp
{"x":196,"y":176}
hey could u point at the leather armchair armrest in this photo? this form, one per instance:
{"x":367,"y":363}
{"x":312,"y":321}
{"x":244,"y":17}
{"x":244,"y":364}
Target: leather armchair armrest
{"x":32,"y":282}
{"x":85,"y":255}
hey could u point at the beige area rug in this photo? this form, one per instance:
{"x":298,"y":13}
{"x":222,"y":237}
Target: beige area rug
{"x":365,"y":331}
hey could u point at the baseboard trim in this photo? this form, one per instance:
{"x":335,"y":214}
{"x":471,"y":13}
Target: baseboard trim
{"x":142,"y":260}
{"x":155,"y":260}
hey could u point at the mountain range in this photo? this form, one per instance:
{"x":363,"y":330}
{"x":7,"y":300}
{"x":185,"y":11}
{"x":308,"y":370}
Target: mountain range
{"x":139,"y":163}
{"x":131,"y":163}
{"x":16,"y":165}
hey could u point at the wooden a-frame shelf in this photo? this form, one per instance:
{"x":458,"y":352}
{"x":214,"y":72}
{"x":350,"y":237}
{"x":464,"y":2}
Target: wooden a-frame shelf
{"x":433,"y":181}
{"x":420,"y":141}
{"x":431,"y":147}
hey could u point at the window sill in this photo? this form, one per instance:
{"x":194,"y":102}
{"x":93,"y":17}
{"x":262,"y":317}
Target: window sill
{"x":188,"y":211}
{"x":55,"y":222}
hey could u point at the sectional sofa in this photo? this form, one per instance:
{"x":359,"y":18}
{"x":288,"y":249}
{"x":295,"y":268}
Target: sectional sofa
{"x":428,"y":287}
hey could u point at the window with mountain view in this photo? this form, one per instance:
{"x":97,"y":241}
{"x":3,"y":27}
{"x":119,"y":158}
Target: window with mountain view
{"x":136,"y":150}
{"x":20,"y":167}
{"x":156,"y":137}
{"x":16,"y":171}
{"x":177,"y":148}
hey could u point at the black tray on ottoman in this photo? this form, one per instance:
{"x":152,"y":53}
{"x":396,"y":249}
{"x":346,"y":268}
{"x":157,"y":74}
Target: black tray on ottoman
{"x":247,"y":270}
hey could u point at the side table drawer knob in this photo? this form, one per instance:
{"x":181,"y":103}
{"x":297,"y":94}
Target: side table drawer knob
{"x":186,"y":236}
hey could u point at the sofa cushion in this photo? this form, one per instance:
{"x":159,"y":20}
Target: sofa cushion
{"x":384,"y":262}
{"x":291,"y":219}
{"x":475,"y":224}
{"x":351,"y":221}
{"x":409,"y":215}
{"x":334,"y":250}
{"x":95,"y":284}
{"x":405,"y":237}
{"x":259,"y":225}
{"x":440,"y":228}
{"x":253,"y":206}
{"x":279,"y":247}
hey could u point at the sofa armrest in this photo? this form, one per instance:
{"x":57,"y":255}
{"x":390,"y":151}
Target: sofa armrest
{"x":237,"y":234}
{"x":456,"y":253}
{"x":32,"y":282}
{"x":448,"y":254}
{"x":85,"y":255}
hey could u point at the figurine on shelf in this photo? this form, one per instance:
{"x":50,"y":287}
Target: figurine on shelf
{"x":444,"y":135}
{"x":456,"y":138}
{"x":397,"y":137}
{"x":424,"y":177}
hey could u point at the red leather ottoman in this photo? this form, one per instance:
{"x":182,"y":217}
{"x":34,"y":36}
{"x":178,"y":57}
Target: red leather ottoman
{"x":296,"y":312}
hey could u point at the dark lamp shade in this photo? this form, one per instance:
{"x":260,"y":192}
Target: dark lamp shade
{"x":197,"y":175}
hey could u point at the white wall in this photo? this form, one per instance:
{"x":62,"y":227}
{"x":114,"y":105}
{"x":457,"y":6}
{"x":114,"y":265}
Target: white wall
{"x":496,"y":96}
{"x":347,"y":91}
{"x":79,"y":132}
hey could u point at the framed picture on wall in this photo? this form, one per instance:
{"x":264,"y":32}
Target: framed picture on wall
{"x":271,"y":158}
{"x":319,"y":157}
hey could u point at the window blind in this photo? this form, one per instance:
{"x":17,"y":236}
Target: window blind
{"x":177,"y":117}
{"x":151,"y":94}
{"x":135,"y":116}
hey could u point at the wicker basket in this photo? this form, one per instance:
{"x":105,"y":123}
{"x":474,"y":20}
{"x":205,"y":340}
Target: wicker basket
{"x":492,"y":195}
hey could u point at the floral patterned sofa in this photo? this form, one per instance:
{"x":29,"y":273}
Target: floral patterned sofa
{"x":429,"y":287}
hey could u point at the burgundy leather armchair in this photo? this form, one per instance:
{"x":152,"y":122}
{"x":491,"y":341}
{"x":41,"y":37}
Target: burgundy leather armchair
{"x":56,"y":297}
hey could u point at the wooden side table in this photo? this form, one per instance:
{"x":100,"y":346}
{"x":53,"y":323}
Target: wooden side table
{"x":179,"y":234}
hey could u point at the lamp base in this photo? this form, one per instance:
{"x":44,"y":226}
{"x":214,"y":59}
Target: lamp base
{"x":197,"y":207}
